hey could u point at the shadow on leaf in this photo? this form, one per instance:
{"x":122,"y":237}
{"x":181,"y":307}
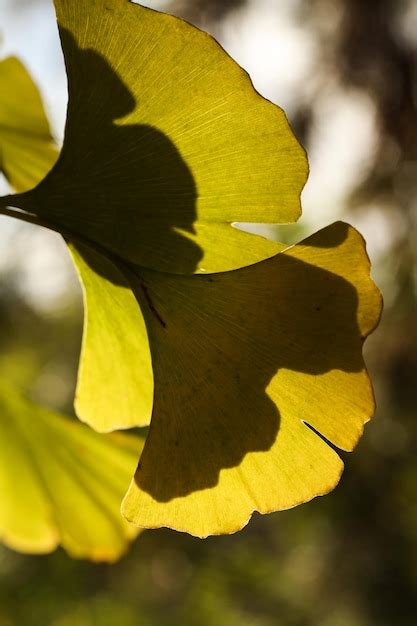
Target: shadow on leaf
{"x":123,"y":186}
{"x":216,"y":359}
{"x":217,"y":341}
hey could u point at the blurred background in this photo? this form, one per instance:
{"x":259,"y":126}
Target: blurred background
{"x":345,"y":71}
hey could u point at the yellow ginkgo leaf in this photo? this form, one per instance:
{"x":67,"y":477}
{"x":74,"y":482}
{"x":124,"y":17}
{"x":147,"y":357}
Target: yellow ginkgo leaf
{"x":27,"y":150}
{"x":62,"y":483}
{"x":253,"y":370}
{"x":166,"y":144}
{"x":115,"y":379}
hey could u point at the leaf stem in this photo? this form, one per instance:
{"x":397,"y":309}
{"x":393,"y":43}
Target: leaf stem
{"x":124,"y":267}
{"x":29,"y":218}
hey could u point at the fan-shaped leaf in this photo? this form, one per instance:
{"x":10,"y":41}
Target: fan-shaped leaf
{"x":166,"y":144}
{"x":253,"y":368}
{"x":62,"y":483}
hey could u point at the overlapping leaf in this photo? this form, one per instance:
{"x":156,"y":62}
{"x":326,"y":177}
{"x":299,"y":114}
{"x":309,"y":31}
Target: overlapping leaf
{"x":247,"y":362}
{"x":166,"y":144}
{"x":62,"y":483}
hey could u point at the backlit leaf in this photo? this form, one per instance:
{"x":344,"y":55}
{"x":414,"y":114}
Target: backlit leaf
{"x":27,"y":150}
{"x":247,"y":364}
{"x":166,"y":144}
{"x":62,"y":483}
{"x":115,"y":380}
{"x":255,"y":370}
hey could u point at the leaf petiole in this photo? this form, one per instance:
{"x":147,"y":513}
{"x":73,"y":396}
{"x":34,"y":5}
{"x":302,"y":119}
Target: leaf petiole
{"x":30,"y":218}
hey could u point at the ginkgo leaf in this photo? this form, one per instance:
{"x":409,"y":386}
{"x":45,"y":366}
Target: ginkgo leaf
{"x":108,"y":397}
{"x":27,"y":150}
{"x":253,"y":370}
{"x":115,"y":379}
{"x":166,"y":144}
{"x":62,"y":483}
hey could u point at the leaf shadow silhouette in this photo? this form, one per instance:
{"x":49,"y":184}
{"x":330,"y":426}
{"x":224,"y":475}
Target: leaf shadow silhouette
{"x":121,"y":185}
{"x":226,"y":337}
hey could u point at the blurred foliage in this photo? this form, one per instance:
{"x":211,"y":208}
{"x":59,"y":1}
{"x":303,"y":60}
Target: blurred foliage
{"x":348,"y":559}
{"x":39,"y":353}
{"x":200,"y":12}
{"x":372,"y":49}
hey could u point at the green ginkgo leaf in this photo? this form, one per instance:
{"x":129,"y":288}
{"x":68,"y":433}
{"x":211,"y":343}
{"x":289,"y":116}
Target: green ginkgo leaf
{"x":166,"y":144}
{"x":61,"y":483}
{"x":253,"y":369}
{"x":27,"y":150}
